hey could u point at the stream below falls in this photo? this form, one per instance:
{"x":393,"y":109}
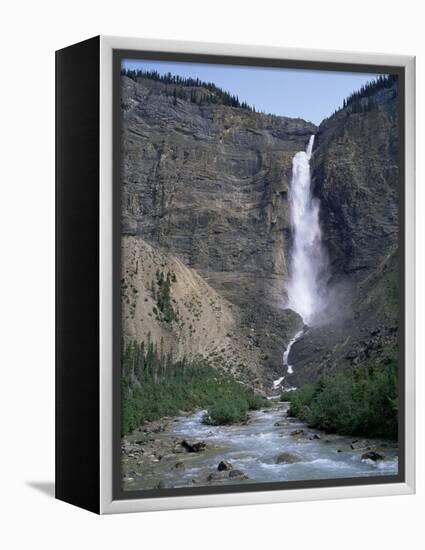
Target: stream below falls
{"x":252,"y":448}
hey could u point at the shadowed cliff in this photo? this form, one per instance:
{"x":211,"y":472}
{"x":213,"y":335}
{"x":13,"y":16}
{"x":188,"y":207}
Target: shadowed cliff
{"x":355,"y":176}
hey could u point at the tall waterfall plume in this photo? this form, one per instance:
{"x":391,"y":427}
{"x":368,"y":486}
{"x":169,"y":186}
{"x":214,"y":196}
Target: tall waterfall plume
{"x":308,"y":260}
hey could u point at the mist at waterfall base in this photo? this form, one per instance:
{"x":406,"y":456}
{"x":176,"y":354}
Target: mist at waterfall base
{"x":308,"y":264}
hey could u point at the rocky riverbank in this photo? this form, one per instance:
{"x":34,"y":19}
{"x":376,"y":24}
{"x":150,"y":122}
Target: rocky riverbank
{"x":182,"y":451}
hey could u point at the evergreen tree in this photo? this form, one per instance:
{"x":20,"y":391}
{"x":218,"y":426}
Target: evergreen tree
{"x":361,"y":100}
{"x":216,"y":95}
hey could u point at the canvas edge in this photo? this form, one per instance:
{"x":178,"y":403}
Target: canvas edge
{"x":410,"y":271}
{"x":107,"y":504}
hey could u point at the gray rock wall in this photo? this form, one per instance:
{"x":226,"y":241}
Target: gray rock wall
{"x":210,"y":183}
{"x":355,"y":176}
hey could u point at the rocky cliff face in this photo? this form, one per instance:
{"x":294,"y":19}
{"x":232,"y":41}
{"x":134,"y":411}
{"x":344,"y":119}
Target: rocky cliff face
{"x":205,"y":195}
{"x":355,"y":177}
{"x":355,"y":174}
{"x":190,"y":319}
{"x":208,"y":184}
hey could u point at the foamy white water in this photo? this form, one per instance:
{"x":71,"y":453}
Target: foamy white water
{"x":277,"y":384}
{"x":285,"y":358}
{"x":253,"y":448}
{"x":307,"y":256}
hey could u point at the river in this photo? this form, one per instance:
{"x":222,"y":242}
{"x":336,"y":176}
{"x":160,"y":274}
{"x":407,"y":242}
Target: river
{"x":253,"y":448}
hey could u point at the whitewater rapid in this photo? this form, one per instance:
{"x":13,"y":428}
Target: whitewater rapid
{"x":253,"y":448}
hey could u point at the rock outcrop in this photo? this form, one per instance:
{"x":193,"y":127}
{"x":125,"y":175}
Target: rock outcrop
{"x":193,"y":320}
{"x":355,"y":175}
{"x":356,"y":178}
{"x":208,"y":184}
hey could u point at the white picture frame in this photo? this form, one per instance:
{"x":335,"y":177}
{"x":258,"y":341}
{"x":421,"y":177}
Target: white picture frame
{"x":108,"y":504}
{"x":103,"y":499}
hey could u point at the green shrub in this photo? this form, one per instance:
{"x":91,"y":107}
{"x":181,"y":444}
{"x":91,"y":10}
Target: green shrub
{"x":287,"y":395}
{"x":154,"y":385}
{"x":225,"y":411}
{"x":256,"y":402}
{"x":161,"y":292}
{"x":357,"y":401}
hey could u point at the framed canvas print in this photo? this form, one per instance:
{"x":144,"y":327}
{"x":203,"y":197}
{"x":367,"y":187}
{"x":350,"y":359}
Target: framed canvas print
{"x":235,"y":287}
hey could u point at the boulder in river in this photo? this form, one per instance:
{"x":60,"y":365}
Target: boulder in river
{"x":297,"y":433}
{"x":218,"y":476}
{"x":281,"y":423}
{"x":372,"y":455}
{"x":194,"y":447}
{"x":288,"y":458}
{"x":169,"y":456}
{"x":360,"y":445}
{"x":224,"y":466}
{"x":238,"y":473}
{"x":159,"y":429}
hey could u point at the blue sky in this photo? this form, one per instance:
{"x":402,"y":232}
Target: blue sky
{"x":311,"y":95}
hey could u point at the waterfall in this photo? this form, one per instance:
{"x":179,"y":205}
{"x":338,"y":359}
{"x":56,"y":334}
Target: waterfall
{"x":277,"y":384}
{"x":305,"y":295}
{"x":308,"y":260}
{"x":285,"y":357}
